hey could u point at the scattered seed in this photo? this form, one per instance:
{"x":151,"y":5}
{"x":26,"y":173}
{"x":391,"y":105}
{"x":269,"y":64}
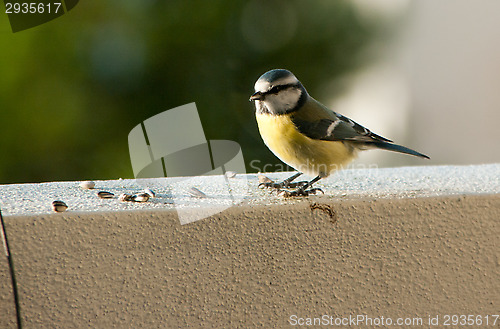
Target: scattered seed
{"x":230,"y":174}
{"x":151,"y":193}
{"x":264,"y":179}
{"x":126,"y":197}
{"x":196,"y":193}
{"x":87,"y":185}
{"x":59,"y":206}
{"x":105,"y":195}
{"x":141,"y":197}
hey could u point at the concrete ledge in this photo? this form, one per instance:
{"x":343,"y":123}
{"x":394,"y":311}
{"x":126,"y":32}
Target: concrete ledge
{"x":404,"y":182}
{"x":257,"y":264}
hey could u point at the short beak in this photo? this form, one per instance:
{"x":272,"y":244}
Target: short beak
{"x":257,"y":96}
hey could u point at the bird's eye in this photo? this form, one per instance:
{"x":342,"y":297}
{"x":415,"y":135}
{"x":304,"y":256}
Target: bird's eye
{"x":276,"y":89}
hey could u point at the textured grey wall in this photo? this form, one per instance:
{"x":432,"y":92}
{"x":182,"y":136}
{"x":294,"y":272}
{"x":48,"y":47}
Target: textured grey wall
{"x":258,"y":266}
{"x":7,"y":305}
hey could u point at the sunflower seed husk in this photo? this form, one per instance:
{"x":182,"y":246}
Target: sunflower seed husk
{"x":141,"y":197}
{"x":264,"y":179}
{"x":230,"y":174}
{"x":88,"y":185}
{"x":196,"y":193}
{"x":151,"y":193}
{"x":59,"y":206}
{"x":105,"y":195}
{"x":126,"y":197}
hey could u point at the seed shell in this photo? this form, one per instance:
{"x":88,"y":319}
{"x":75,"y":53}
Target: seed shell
{"x":105,"y":195}
{"x":151,"y":193}
{"x":126,"y":197}
{"x":264,"y":179}
{"x":141,"y":197}
{"x":196,"y":193}
{"x":88,"y":185}
{"x":59,"y":206}
{"x":230,"y":174}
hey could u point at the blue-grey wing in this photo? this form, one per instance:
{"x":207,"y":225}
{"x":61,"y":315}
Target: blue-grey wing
{"x":317,"y":122}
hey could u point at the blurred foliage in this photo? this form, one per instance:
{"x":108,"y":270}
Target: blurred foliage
{"x":73,"y":88}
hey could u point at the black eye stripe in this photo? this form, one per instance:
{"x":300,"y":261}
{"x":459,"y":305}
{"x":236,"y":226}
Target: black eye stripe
{"x":276,"y":89}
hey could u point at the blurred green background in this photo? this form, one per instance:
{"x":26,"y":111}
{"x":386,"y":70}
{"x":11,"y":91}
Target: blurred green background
{"x":73,"y":88}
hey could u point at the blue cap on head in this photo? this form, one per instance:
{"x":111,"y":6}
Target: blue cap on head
{"x":274,"y":75}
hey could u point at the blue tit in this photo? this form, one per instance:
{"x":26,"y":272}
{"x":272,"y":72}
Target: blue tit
{"x":306,"y":135}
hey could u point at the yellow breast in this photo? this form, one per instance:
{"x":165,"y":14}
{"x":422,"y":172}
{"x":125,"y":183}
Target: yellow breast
{"x":310,"y":156}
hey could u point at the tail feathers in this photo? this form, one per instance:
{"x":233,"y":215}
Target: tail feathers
{"x":398,"y":148}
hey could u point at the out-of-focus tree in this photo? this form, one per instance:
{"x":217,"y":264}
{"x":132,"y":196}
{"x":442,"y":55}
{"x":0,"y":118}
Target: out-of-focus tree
{"x":73,"y":88}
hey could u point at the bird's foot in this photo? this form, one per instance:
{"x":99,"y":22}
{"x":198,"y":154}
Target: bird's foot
{"x":283,"y":184}
{"x":299,"y":192}
{"x":296,"y":184}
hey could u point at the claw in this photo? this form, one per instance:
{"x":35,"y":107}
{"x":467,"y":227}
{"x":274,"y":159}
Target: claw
{"x":269,"y":184}
{"x":294,"y":185}
{"x":299,"y":192}
{"x":314,"y":190}
{"x":281,"y":185}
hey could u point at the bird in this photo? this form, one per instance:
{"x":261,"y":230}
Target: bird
{"x":307,"y":135}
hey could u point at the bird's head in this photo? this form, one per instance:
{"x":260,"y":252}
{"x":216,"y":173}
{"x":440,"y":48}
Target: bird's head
{"x":278,"y":92}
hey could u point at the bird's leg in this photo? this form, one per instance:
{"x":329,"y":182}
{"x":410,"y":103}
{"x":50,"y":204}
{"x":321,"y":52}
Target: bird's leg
{"x":287,"y":183}
{"x":302,"y":190}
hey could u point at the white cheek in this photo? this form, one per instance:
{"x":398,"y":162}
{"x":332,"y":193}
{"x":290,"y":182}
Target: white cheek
{"x":288,"y":99}
{"x":284,"y":101}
